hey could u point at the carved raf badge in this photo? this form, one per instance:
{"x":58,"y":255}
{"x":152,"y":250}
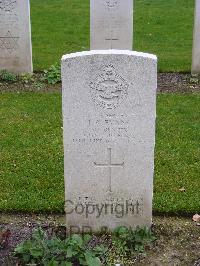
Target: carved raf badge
{"x":111,"y":3}
{"x":108,"y":89}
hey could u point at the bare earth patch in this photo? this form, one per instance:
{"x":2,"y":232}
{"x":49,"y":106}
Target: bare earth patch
{"x":178,"y":239}
{"x":167,"y":82}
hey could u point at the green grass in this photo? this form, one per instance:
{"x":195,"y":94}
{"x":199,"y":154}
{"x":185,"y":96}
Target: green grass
{"x":177,"y":154}
{"x":160,"y":27}
{"x":31,"y":153}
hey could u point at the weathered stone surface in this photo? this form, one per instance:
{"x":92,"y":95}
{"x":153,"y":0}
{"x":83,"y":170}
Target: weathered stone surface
{"x":196,"y":40}
{"x":15,"y":36}
{"x":109,"y":109}
{"x":111,"y":24}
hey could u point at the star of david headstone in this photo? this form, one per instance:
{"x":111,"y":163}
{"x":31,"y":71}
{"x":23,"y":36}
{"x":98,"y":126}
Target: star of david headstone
{"x":8,"y":42}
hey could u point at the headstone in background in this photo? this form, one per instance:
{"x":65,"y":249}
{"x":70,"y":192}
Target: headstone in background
{"x":109,"y":110}
{"x":111,"y":24}
{"x":15,"y":36}
{"x":196,"y":40}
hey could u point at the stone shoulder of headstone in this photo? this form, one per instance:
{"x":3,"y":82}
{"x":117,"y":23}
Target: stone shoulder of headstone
{"x":109,"y":52}
{"x":109,"y":111}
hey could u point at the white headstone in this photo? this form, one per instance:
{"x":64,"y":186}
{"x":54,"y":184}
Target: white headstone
{"x":109,"y":110}
{"x":196,"y":40}
{"x":111,"y":24}
{"x":15,"y":36}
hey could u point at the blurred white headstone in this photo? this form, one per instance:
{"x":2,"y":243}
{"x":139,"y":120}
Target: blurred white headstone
{"x":111,"y":24}
{"x":15,"y":36}
{"x":109,"y":110}
{"x":196,"y":40}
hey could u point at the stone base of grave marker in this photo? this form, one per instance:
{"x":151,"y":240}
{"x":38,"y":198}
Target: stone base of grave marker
{"x":109,"y":111}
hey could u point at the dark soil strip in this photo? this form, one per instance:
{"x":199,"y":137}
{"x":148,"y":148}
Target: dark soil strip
{"x":167,"y":83}
{"x":178,"y":239}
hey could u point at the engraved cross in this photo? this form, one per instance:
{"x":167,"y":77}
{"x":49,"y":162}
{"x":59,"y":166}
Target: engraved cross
{"x":111,"y":39}
{"x":109,"y":165}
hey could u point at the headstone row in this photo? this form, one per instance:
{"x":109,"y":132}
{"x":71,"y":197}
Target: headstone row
{"x":111,"y":28}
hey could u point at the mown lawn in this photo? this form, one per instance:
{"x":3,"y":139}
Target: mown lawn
{"x":31,"y":153}
{"x":161,"y":27}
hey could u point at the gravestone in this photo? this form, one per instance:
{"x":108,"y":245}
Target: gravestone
{"x":15,"y":36}
{"x":109,"y":109}
{"x":196,"y":40}
{"x":111,"y":24}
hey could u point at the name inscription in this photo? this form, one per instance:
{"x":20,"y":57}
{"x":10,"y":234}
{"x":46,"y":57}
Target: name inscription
{"x":104,"y":130}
